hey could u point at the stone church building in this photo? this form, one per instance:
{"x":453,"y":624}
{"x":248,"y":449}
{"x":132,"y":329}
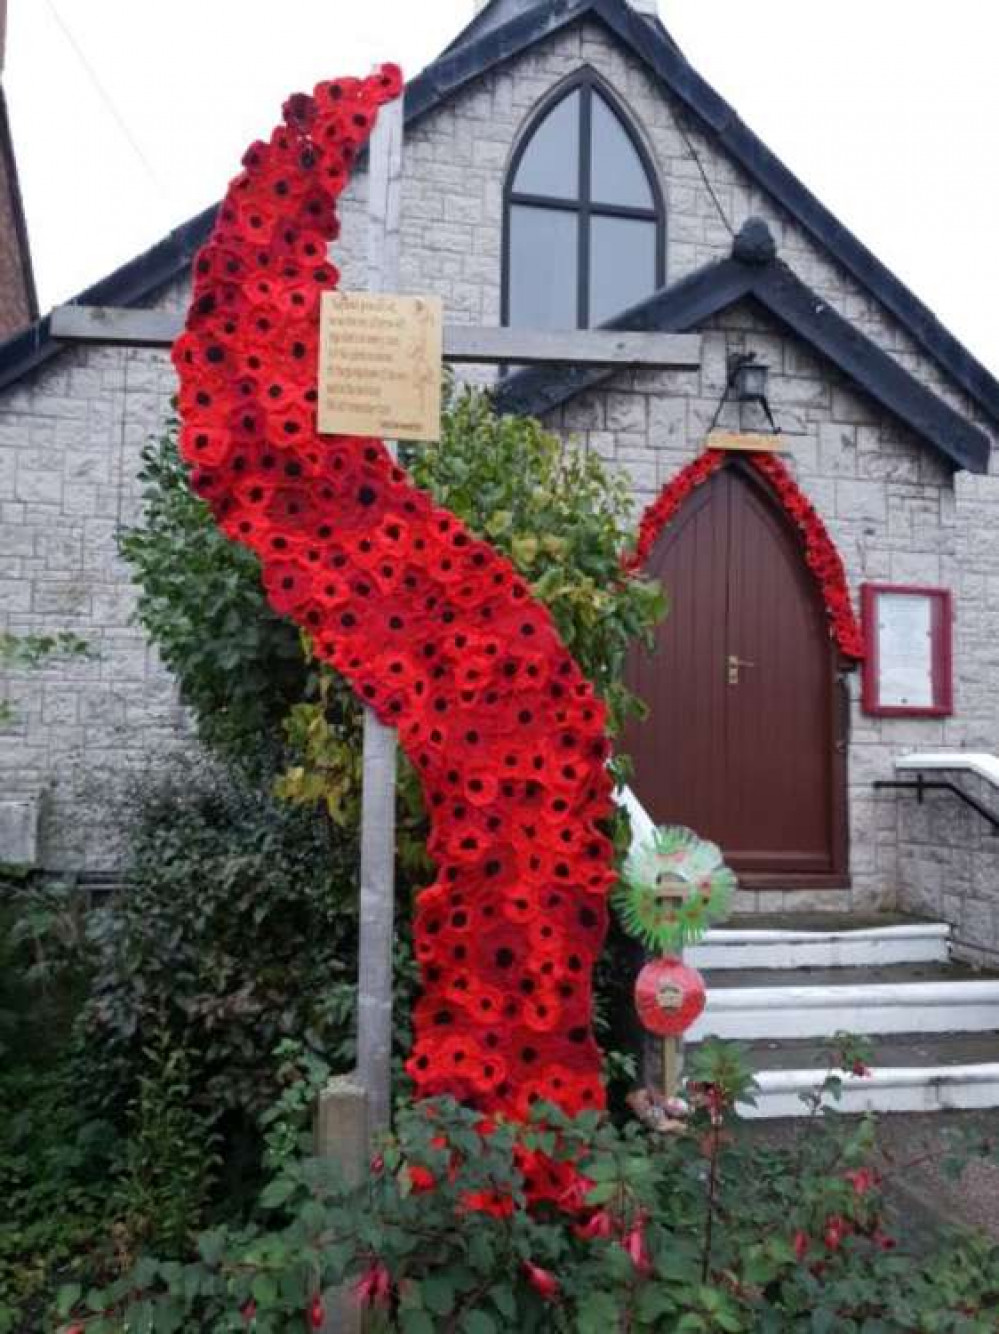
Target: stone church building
{"x":567,"y":167}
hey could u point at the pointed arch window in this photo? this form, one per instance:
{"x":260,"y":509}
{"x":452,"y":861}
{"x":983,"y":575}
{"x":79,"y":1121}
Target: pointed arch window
{"x":584,"y":223}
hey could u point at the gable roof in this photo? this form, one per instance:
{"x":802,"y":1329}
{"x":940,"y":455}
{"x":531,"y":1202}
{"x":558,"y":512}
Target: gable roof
{"x":753,"y":272}
{"x":501,"y":31}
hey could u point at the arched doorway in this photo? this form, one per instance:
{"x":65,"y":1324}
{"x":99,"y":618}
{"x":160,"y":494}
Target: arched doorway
{"x":744,"y":741}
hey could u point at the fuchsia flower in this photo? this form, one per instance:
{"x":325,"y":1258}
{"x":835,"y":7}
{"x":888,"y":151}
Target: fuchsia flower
{"x":542,"y":1281}
{"x":836,"y":1230}
{"x":862,"y":1179}
{"x":374,"y":1287}
{"x":600,"y":1227}
{"x":638,"y":1248}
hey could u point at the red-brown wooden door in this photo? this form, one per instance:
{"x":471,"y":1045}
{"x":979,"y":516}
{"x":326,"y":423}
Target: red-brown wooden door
{"x":742,"y":740}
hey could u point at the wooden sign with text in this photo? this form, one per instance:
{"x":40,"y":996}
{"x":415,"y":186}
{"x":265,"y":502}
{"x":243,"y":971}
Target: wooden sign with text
{"x":752,"y":442}
{"x":380,"y":362}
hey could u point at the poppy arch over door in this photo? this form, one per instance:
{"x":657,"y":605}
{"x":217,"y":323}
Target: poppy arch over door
{"x":435,"y":631}
{"x":821,"y":555}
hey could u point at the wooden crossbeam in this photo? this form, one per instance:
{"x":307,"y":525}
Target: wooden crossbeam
{"x":463,"y":343}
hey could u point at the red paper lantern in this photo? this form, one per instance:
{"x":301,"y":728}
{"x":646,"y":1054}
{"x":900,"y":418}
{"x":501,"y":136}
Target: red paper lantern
{"x":669,"y":996}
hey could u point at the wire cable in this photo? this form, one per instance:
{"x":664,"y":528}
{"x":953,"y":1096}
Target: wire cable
{"x":682,"y":126}
{"x":103,"y":94}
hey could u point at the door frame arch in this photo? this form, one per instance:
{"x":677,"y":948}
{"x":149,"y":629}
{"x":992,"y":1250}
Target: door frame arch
{"x":792,"y":512}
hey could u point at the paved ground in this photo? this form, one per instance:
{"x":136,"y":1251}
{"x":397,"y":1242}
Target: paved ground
{"x":922,"y":1196}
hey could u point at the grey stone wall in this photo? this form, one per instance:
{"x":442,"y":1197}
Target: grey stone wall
{"x":949,"y":864}
{"x":70,"y":438}
{"x":889,"y":505}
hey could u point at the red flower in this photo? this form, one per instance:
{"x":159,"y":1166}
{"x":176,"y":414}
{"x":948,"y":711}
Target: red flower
{"x":542,"y":1281}
{"x":598,"y":1228}
{"x":862,"y":1179}
{"x":835,"y":1230}
{"x":316,"y":1314}
{"x":374,"y":1287}
{"x":801,"y":1244}
{"x":637,"y":1247}
{"x":421,"y":1178}
{"x":491,"y":1202}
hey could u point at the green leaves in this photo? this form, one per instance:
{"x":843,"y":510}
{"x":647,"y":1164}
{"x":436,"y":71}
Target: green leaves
{"x":431,"y":1264}
{"x":438,"y":1295}
{"x":239,"y":665}
{"x":479,"y":1322}
{"x":563,"y":519}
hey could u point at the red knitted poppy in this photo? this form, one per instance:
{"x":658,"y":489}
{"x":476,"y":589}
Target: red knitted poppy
{"x":434,"y":630}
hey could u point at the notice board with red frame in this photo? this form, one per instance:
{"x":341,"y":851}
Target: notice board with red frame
{"x":908,"y":667}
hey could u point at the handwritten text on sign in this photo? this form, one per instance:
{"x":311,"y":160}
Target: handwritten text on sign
{"x":380,"y":365}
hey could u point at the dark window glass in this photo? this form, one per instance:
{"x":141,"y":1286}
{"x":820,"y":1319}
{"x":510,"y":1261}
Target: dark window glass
{"x":617,"y":174}
{"x":622,"y":265}
{"x":543,"y":267}
{"x":585,"y":224}
{"x":550,"y":165}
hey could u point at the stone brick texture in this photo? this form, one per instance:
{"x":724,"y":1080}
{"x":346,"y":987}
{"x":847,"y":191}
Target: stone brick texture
{"x":71,"y":437}
{"x":948,"y":860}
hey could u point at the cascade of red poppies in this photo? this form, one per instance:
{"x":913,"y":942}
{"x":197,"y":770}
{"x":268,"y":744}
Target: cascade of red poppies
{"x":821,"y":555}
{"x":434,"y":630}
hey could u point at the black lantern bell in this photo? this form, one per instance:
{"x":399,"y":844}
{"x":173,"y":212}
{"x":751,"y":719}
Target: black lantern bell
{"x":748,"y":378}
{"x":747,"y":383}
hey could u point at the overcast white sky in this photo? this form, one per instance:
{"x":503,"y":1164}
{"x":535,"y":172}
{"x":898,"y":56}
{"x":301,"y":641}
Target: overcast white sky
{"x":887,"y":109}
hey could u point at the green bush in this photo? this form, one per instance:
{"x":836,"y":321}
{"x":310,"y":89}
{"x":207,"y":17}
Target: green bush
{"x":240,"y":667}
{"x":237,"y":929}
{"x":554,"y":509}
{"x":691,"y":1232}
{"x":562,"y":518}
{"x":55,"y":1163}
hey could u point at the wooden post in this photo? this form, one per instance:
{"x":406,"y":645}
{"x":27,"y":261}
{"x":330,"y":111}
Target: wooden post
{"x":672,"y":1066}
{"x":342,"y":1135}
{"x":377,"y":914}
{"x":612,"y":349}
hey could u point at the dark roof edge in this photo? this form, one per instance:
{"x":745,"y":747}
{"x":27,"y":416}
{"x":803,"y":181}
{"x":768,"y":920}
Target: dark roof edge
{"x":474,"y":55}
{"x":718,"y":286}
{"x":747,"y":149}
{"x":675,"y":309}
{"x":143,"y":276}
{"x":17,"y":209}
{"x":134,"y":283}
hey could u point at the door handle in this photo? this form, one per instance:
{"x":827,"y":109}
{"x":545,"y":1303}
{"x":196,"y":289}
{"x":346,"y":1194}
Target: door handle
{"x":732,"y":664}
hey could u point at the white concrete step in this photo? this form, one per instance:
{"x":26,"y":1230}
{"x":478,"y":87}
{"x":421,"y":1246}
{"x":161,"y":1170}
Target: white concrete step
{"x":818,"y":947}
{"x":911,"y":1072}
{"x":885,"y":1089}
{"x":822,"y":1009}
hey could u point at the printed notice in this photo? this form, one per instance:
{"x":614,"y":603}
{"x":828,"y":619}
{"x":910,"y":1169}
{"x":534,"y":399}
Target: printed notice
{"x":905,"y":651}
{"x":380,"y":365}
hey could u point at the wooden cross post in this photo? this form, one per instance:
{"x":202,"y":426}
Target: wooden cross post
{"x":604,"y":348}
{"x":377,"y":909}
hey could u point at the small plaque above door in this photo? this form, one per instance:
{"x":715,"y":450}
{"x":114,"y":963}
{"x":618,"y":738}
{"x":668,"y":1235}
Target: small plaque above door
{"x":747,"y":442}
{"x":907,"y":671}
